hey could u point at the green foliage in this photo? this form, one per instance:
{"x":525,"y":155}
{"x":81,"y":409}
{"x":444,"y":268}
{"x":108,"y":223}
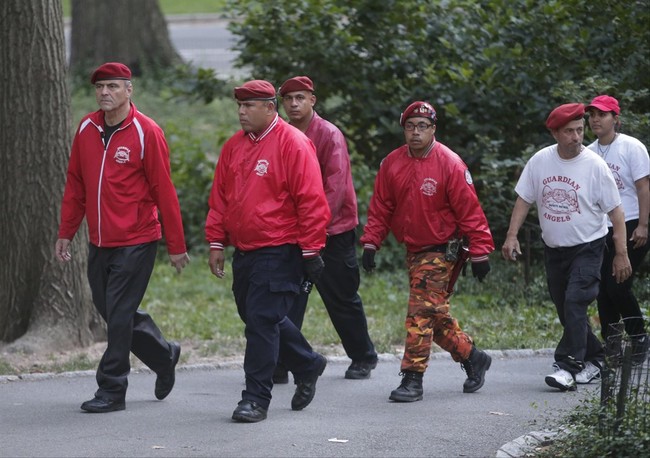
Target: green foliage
{"x":493,"y":69}
{"x":490,"y":67}
{"x":589,"y":432}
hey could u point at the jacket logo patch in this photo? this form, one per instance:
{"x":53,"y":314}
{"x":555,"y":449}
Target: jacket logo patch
{"x":122,"y":155}
{"x":262,"y":167}
{"x":468,"y":177}
{"x":429,"y":186}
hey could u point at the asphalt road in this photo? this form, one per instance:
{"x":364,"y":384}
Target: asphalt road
{"x":40,"y":415}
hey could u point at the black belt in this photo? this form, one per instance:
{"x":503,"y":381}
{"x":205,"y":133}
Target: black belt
{"x":434,"y":249}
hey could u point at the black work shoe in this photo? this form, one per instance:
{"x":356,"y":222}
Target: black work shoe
{"x":360,"y":370}
{"x":280,"y":375}
{"x":475,"y":367}
{"x":165,"y":381}
{"x":248,"y":411}
{"x":410,"y":389}
{"x":640,"y":346}
{"x":103,"y":405}
{"x":306,"y":387}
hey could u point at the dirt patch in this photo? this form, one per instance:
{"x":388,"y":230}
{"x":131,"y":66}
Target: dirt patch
{"x":204,"y":352}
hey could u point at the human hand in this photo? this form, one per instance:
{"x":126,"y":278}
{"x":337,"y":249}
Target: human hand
{"x":511,"y":249}
{"x":621,"y":267}
{"x":179,"y":261}
{"x":313,"y":267}
{"x":480,"y":270}
{"x":639,"y":236}
{"x":216,"y":262}
{"x":62,"y":250}
{"x":368,"y":260}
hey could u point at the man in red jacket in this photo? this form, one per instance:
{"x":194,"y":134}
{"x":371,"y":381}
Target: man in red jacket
{"x":339,"y":284}
{"x":267,"y":200}
{"x":119,"y":179}
{"x":425,"y":196}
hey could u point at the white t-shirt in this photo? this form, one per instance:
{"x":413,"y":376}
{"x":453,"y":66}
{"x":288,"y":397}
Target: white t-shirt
{"x":628,"y":160}
{"x":573,"y":196}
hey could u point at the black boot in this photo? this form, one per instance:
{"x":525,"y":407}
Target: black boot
{"x":475,"y":367}
{"x":410,"y":389}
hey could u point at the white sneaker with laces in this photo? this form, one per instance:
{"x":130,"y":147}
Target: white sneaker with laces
{"x":589,"y":373}
{"x":561,"y":379}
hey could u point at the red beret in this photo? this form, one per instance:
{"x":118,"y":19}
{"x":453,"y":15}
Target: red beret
{"x":111,"y":71}
{"x":418,"y":110}
{"x":297,"y":83}
{"x":255,"y":89}
{"x":605,"y":103}
{"x":564,"y":114}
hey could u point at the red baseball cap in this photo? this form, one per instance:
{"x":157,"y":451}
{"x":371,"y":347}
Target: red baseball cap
{"x":418,"y":110}
{"x":564,"y":114}
{"x":297,"y":83}
{"x":605,"y":103}
{"x":255,"y":89}
{"x":111,"y":71}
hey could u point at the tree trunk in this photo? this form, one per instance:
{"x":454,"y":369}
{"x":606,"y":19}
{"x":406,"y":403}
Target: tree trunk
{"x":134,"y":33}
{"x":44,"y":303}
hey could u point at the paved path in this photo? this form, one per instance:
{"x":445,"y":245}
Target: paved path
{"x":40,"y":415}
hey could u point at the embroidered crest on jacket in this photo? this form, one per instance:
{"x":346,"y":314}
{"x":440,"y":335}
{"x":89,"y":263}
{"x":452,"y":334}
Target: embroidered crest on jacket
{"x":262,"y":167}
{"x":429,"y":186}
{"x":122,"y":155}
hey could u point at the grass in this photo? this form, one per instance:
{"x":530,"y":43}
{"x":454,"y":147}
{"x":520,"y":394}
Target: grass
{"x":199,"y":307}
{"x":173,"y":7}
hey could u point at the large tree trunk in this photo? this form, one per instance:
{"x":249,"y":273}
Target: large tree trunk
{"x":43,"y":302}
{"x":132,"y":32}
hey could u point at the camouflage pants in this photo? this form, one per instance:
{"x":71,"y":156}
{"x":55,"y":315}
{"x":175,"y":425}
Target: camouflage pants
{"x":428,"y":319}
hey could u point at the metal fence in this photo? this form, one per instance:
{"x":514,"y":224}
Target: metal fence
{"x":625,"y":386}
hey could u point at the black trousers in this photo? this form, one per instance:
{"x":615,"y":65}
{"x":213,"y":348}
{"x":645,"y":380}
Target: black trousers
{"x":265,"y":285}
{"x":338,"y":287}
{"x":573,"y":276}
{"x":617,"y":300}
{"x":118,"y":279}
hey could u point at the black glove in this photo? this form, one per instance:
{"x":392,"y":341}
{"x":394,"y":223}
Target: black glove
{"x":480,"y":269}
{"x":313,"y":268}
{"x":368,"y":260}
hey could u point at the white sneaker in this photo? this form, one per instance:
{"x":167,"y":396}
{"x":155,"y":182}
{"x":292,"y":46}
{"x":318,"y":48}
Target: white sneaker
{"x":561,"y":379}
{"x":589,"y":373}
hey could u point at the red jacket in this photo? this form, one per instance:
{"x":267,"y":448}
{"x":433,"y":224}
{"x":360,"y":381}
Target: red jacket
{"x":267,"y":191}
{"x":334,"y":160}
{"x":120,"y":188}
{"x":425,"y":202}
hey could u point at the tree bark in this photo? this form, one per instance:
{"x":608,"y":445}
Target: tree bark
{"x":44,"y":303}
{"x":134,"y":33}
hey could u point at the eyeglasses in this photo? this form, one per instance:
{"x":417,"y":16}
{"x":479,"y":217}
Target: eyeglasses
{"x":421,"y":127}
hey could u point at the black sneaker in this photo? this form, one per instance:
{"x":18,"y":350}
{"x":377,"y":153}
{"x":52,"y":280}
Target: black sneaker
{"x":475,"y":367}
{"x":360,"y":370}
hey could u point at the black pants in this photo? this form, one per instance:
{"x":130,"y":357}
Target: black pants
{"x":118,"y":279}
{"x":265,"y":284}
{"x":617,"y":300}
{"x":338,"y":287}
{"x":573,"y":275}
